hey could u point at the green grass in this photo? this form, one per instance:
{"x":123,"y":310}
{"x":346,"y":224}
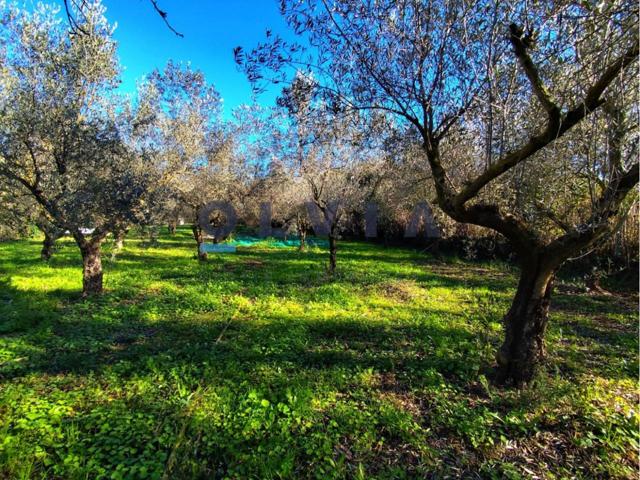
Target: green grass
{"x":258,"y":365}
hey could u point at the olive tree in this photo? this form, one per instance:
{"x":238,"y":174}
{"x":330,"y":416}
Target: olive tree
{"x":185,"y":148}
{"x":61,"y":134}
{"x":324,"y":148}
{"x":436,"y":64}
{"x":182,"y":131}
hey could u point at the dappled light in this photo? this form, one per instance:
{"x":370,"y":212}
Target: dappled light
{"x":319,"y":239}
{"x":259,"y":362}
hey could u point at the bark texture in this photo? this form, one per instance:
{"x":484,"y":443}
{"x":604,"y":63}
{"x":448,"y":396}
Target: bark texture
{"x":525,"y":324}
{"x":199,"y":238}
{"x":47,"y":246}
{"x":333,"y":250}
{"x":91,"y":268}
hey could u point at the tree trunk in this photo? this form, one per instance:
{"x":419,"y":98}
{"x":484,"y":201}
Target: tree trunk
{"x":302,"y":234}
{"x":172,"y":227}
{"x":91,"y":268}
{"x":47,"y":246}
{"x":525,"y":324}
{"x":592,"y":282}
{"x":153,"y":235}
{"x":333,"y":248}
{"x":199,"y":237}
{"x":118,"y":241}
{"x":51,"y":235}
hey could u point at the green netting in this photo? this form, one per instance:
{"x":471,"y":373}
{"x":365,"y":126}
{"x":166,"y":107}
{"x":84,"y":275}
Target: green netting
{"x":248,"y":241}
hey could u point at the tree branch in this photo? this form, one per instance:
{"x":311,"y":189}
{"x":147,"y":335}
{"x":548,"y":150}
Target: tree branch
{"x":591,"y":102}
{"x":76,"y":26}
{"x":598,"y":224}
{"x":163,"y":15}
{"x":521,"y":43}
{"x":551,"y":215}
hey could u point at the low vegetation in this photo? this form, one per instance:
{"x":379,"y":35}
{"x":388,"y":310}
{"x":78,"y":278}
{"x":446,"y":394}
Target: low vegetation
{"x":261,"y":365}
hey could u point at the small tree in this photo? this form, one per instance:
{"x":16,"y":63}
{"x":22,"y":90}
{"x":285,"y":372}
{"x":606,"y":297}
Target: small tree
{"x":323,"y":148}
{"x":61,"y":135}
{"x":184,"y":118}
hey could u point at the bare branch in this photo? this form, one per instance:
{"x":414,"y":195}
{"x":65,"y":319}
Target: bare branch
{"x":521,"y":43}
{"x":592,"y":100}
{"x":163,"y":15}
{"x":77,"y":28}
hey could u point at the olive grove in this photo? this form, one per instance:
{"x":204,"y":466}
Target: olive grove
{"x":500,"y":98}
{"x":89,"y":158}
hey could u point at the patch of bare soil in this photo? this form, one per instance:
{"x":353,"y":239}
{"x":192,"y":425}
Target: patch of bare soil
{"x":400,"y":290}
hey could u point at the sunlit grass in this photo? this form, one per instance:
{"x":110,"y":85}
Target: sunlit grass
{"x":260,"y":365}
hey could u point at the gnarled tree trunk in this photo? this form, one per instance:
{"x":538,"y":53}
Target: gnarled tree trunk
{"x":91,"y":267}
{"x":301,"y":229}
{"x":51,"y":235}
{"x":303,"y":240}
{"x":526,"y":322}
{"x":119,"y":234}
{"x":199,"y":238}
{"x":118,"y":239}
{"x":47,"y":245}
{"x":154,"y":231}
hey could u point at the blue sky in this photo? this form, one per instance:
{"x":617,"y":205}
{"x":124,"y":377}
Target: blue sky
{"x":211,"y":28}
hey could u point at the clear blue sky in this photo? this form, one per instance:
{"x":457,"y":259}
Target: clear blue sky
{"x":211,"y":28}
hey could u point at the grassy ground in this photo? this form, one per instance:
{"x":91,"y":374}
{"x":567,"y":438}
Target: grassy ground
{"x":257,"y":365}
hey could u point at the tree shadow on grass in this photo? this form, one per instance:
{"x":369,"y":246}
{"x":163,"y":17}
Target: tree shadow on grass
{"x":85,"y":343}
{"x":216,"y":375}
{"x":94,"y":335}
{"x":585,"y":304}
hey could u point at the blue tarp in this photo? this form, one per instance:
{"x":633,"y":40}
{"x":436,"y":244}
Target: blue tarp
{"x":248,"y":241}
{"x":217,"y":248}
